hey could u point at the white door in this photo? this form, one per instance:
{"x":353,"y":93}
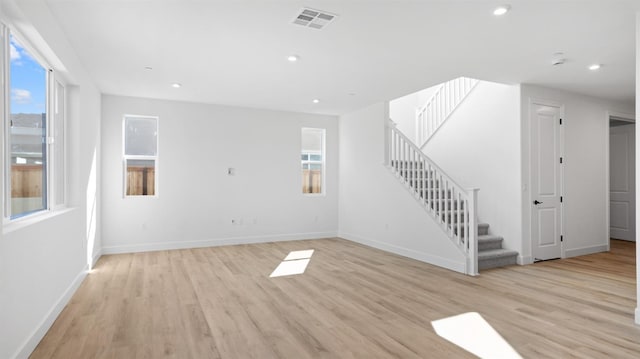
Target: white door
{"x":622,"y":179}
{"x":546,"y":181}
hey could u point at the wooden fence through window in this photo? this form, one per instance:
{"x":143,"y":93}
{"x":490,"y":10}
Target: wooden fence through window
{"x":26,"y":181}
{"x":311,"y":181}
{"x":141,"y":181}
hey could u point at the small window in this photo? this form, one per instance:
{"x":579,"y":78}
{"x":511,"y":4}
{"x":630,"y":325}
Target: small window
{"x":313,"y":163}
{"x":140,"y":155}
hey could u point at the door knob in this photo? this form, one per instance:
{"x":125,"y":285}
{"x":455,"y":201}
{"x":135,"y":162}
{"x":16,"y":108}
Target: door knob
{"x":537,"y":202}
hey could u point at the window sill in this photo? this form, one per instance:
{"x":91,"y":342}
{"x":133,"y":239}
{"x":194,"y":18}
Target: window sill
{"x":314,"y":195}
{"x":20,"y":223}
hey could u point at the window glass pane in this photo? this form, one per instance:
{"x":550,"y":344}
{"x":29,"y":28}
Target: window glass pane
{"x":312,"y":158}
{"x":28,"y":93}
{"x":140,"y":136}
{"x":58,"y":144}
{"x":140,"y":179}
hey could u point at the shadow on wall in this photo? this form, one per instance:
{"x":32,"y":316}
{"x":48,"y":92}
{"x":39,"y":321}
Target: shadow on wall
{"x":92,"y":199}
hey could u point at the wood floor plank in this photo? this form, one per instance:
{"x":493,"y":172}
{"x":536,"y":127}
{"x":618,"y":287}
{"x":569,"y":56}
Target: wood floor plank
{"x":352,"y":302}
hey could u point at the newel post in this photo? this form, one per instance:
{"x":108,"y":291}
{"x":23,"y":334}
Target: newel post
{"x":387,"y":141}
{"x":472,"y":258}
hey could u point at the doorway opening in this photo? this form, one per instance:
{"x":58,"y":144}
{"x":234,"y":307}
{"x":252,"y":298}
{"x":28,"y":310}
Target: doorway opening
{"x":622,"y":177}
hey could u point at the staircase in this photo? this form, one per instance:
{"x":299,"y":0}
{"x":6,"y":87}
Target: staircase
{"x":451,"y":206}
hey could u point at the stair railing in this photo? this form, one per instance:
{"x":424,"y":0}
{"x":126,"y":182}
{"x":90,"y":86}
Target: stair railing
{"x":440,"y":106}
{"x":453,"y":207}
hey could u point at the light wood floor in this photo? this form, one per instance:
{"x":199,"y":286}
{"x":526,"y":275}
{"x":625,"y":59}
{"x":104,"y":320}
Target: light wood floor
{"x":352,"y":302}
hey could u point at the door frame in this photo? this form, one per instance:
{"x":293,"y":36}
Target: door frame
{"x":631,"y":118}
{"x":561,"y":107}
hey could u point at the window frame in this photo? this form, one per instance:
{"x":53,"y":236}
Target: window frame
{"x":52,"y":203}
{"x":323,"y":153}
{"x":126,"y":157}
{"x":56,"y":177}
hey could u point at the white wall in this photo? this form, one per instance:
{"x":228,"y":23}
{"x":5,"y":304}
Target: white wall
{"x":197,"y":199}
{"x":375,"y":208}
{"x":586,"y":133}
{"x":43,"y":260}
{"x":403,"y":110}
{"x":479,"y":146}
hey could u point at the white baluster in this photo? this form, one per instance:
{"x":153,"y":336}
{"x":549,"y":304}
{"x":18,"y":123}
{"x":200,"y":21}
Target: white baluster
{"x":411,"y":171}
{"x":460,"y":218}
{"x":440,"y":195}
{"x":447,"y":210}
{"x":403,"y":155}
{"x":423,"y":165}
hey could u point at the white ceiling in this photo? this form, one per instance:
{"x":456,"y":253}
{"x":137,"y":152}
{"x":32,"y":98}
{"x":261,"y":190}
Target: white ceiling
{"x":234,"y":52}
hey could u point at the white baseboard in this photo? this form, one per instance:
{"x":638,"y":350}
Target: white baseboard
{"x":95,"y":258}
{"x":524,"y":260}
{"x":585,"y":250}
{"x":32,"y":341}
{"x":162,"y":246}
{"x":406,"y":252}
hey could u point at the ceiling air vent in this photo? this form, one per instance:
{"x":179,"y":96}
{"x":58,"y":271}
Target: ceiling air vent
{"x":315,"y":19}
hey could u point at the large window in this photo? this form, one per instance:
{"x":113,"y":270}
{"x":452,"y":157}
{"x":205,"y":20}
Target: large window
{"x":140,"y":155}
{"x":33,"y":130}
{"x":313,"y":160}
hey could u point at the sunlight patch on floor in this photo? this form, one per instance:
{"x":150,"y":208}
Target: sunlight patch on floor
{"x":290,"y":268}
{"x":294,"y":263}
{"x":471,"y":332}
{"x":299,"y":255}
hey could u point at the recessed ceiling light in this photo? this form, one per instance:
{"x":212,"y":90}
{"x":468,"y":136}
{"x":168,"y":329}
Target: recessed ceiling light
{"x":501,"y":10}
{"x":293,"y":58}
{"x":176,"y":85}
{"x":316,"y":100}
{"x":595,"y":67}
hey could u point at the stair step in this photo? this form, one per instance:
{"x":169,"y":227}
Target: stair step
{"x":494,"y":258}
{"x":483,"y":229}
{"x":488,"y":242}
